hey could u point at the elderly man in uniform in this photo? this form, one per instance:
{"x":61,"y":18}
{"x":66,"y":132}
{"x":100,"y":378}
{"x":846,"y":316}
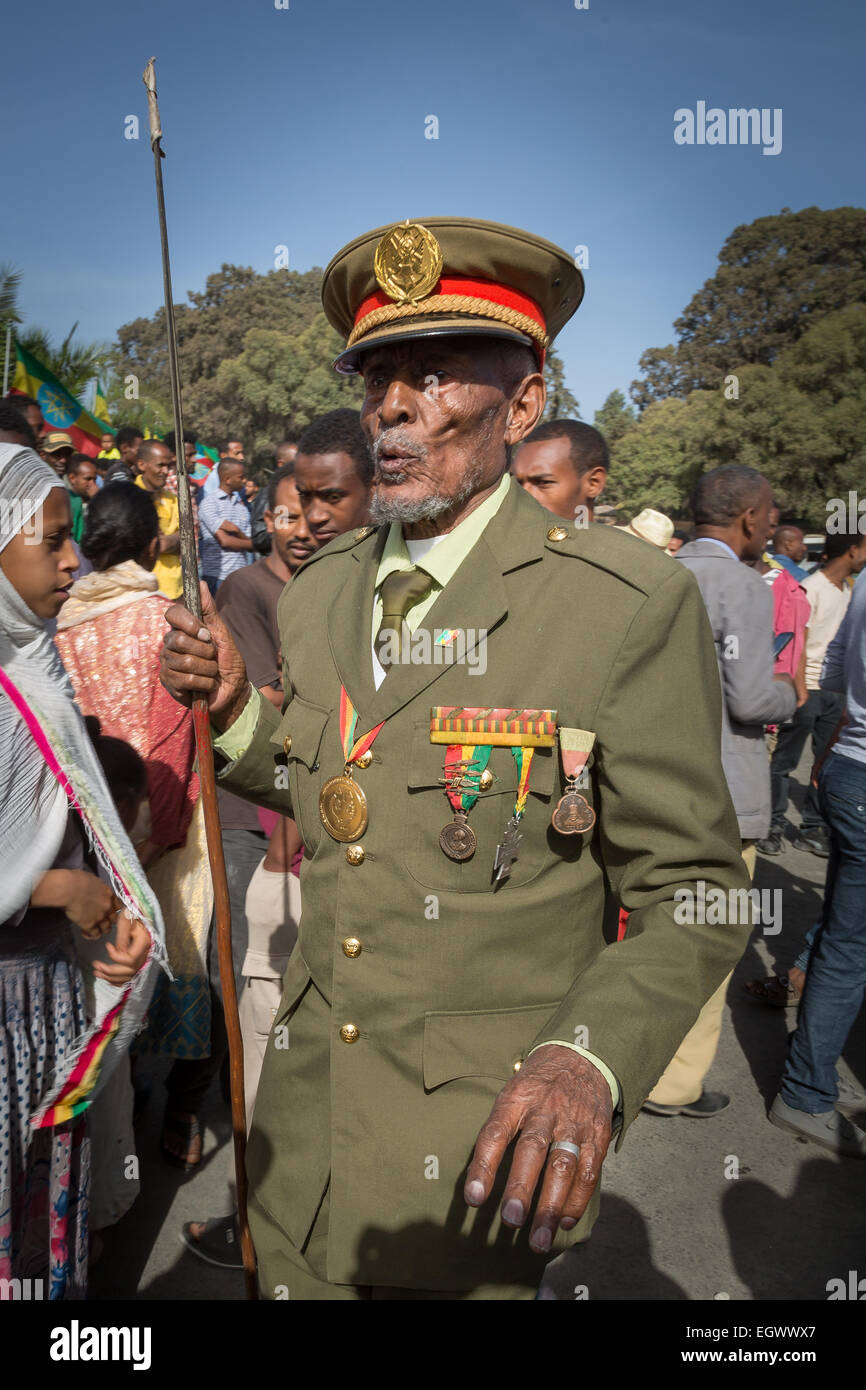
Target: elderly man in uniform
{"x":487,"y":714}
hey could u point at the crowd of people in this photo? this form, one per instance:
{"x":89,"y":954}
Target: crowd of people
{"x":107,"y":947}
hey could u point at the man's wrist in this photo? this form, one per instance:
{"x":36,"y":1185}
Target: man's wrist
{"x":225,"y":718}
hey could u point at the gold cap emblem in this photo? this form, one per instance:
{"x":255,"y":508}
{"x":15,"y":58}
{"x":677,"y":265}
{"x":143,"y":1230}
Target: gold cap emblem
{"x":557,"y":533}
{"x":408,"y":262}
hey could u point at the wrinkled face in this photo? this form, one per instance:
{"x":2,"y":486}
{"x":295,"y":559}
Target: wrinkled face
{"x":331,"y":493}
{"x":287,"y":524}
{"x":154,"y":467}
{"x":84,"y":481}
{"x":435,"y":412}
{"x":129,"y":452}
{"x":40,"y":561}
{"x":546,"y":471}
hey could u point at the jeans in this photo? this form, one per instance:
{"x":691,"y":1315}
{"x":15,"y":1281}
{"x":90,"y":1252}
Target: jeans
{"x":818,"y":717}
{"x":187,"y":1082}
{"x":836,"y":977}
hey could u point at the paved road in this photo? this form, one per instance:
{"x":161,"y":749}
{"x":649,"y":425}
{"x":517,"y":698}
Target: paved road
{"x":675,"y":1223}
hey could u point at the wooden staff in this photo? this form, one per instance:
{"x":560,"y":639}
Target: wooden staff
{"x":201,"y":722}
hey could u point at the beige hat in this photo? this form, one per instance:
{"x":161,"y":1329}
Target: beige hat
{"x":651,"y":526}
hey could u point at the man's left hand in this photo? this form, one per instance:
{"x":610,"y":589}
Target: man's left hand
{"x":556,"y":1095}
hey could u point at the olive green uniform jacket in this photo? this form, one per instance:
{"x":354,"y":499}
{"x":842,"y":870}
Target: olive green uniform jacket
{"x":455,"y":980}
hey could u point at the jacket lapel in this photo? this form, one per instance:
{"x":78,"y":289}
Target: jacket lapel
{"x":350,"y":620}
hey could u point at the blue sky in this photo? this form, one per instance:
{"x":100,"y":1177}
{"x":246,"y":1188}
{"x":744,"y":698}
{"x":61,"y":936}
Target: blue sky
{"x":306,"y":127}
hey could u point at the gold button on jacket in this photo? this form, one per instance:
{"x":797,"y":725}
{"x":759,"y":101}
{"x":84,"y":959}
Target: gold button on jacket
{"x":463,"y":980}
{"x":349,"y":1033}
{"x":352,"y":946}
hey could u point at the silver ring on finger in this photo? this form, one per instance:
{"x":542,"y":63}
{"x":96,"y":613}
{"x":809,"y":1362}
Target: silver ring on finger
{"x":567,"y":1146}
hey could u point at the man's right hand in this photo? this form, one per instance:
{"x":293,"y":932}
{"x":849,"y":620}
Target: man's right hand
{"x":199,"y":660}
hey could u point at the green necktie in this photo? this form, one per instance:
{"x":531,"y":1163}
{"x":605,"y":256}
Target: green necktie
{"x":400,"y":593}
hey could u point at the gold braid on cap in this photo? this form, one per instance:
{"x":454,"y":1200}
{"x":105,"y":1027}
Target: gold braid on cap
{"x":450,"y":304}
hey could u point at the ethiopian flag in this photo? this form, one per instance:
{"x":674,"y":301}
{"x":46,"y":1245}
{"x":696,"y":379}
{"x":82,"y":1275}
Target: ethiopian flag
{"x":61,"y":410}
{"x":100,"y":405}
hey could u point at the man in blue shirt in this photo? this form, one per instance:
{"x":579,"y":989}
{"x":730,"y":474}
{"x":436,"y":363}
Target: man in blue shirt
{"x":225,"y":542}
{"x":836,"y":974}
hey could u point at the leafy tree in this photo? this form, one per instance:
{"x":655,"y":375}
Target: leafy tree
{"x":10,"y":284}
{"x":801,"y":422}
{"x":615,"y":418}
{"x":234,"y":337}
{"x":560,"y":404}
{"x":74,"y":364}
{"x":777,"y":277}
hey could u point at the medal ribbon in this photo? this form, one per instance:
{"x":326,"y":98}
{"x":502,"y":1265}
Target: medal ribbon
{"x":348,"y":720}
{"x":523,"y":757}
{"x":475,"y":760}
{"x":575,"y":746}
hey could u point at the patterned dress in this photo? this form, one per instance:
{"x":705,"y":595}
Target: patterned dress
{"x":44,"y":1173}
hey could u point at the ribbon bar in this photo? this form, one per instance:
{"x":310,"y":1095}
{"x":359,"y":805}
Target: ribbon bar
{"x":505,"y":727}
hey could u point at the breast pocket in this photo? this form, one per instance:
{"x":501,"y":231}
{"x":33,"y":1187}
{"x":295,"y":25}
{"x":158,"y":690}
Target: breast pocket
{"x":299,"y":737}
{"x":429,"y":809}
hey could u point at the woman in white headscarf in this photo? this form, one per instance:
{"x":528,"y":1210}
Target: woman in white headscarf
{"x":54,"y":805}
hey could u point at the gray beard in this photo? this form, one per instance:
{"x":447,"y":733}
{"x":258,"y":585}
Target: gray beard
{"x":384,"y":507}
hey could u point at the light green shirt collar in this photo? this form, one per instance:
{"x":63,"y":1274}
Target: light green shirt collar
{"x":443,"y":560}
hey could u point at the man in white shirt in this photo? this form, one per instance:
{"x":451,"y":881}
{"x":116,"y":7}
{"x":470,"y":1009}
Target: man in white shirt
{"x":829,"y":593}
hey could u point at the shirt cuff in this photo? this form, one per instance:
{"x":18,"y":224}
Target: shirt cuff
{"x":590,"y":1057}
{"x":237,"y":738}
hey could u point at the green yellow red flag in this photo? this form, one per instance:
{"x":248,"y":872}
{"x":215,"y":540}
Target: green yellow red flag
{"x":100,"y":405}
{"x":60,"y":409}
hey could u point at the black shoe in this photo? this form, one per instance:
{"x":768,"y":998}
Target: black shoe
{"x":708,"y":1103}
{"x":772,"y":844}
{"x":814,"y":839}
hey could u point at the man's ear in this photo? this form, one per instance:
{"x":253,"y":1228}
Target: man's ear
{"x":525,"y":408}
{"x":595,"y":481}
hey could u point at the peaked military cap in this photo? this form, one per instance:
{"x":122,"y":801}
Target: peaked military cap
{"x":448,"y":275}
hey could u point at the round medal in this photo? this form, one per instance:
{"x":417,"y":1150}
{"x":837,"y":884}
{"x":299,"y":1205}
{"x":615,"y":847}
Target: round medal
{"x":457,"y":839}
{"x":343,"y":808}
{"x":573,"y":814}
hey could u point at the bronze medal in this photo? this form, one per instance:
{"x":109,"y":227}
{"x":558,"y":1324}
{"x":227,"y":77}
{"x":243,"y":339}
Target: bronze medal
{"x":573,"y":814}
{"x":343,"y":808}
{"x":457,"y":838}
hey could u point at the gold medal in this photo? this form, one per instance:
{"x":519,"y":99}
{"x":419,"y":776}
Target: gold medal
{"x":573,"y":814}
{"x":457,"y":838}
{"x":408,"y":262}
{"x":343,"y":808}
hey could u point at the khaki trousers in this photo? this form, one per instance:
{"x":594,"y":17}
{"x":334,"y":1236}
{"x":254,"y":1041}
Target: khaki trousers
{"x":273,"y":910}
{"x":682,"y":1082}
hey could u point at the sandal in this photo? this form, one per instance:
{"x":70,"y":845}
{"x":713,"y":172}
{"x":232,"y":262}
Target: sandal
{"x":218,"y":1243}
{"x":186,"y":1129}
{"x":776,"y":991}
